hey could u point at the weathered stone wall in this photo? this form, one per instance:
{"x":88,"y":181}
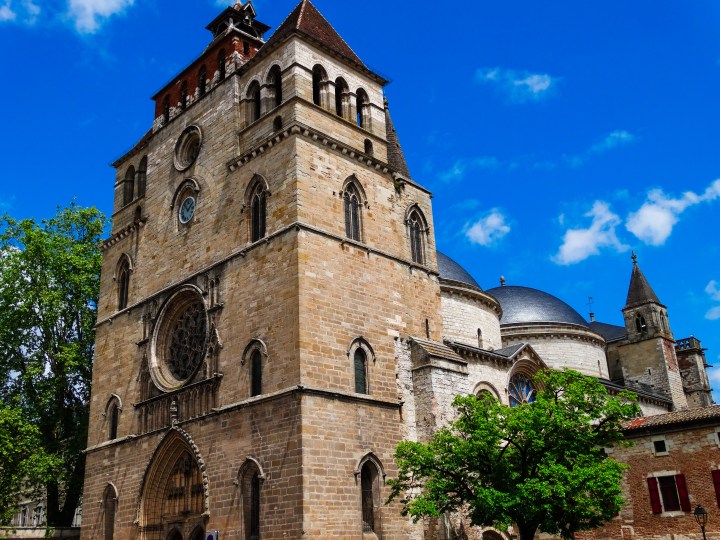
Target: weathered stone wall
{"x":465,"y":314}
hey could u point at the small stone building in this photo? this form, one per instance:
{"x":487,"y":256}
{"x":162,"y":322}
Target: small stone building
{"x":274,"y":316}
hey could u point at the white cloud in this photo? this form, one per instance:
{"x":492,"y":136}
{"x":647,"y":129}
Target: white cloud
{"x":488,"y":230}
{"x":619,"y":137}
{"x":579,"y":244}
{"x":462,"y":166}
{"x":653,"y":222}
{"x":6,"y":13}
{"x":713,"y":290}
{"x":89,"y":14}
{"x":713,"y":314}
{"x":518,"y":86}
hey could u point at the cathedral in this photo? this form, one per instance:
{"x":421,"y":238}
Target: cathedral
{"x":274,"y":316}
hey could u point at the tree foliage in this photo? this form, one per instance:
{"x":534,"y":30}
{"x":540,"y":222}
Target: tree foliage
{"x":540,"y":465}
{"x":49,"y":282}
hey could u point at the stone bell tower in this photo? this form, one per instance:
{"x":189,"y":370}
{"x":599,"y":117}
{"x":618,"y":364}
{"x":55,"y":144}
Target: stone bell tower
{"x":647,"y":357}
{"x":269,"y":248}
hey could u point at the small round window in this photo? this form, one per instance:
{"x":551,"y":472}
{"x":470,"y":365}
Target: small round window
{"x":180,"y":340}
{"x":187,"y":148}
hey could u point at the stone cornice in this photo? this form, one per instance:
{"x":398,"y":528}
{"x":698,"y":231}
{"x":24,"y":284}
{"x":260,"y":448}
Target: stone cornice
{"x":123,"y":233}
{"x":460,"y":289}
{"x":551,"y":331}
{"x":300,"y":129}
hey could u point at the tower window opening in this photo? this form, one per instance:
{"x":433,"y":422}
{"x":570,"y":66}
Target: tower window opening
{"x":166,"y":109}
{"x":254,"y":103}
{"x":246,"y":48}
{"x":361,"y":111}
{"x":141,"y":177}
{"x":250,"y":483}
{"x":341,"y":95}
{"x":360,"y":363}
{"x":276,"y":84}
{"x":202,"y":81}
{"x":480,"y":338}
{"x":640,"y":324}
{"x":129,"y":186}
{"x":319,"y":77}
{"x":368,"y":147}
{"x":277,"y":123}
{"x":416,"y":229}
{"x":113,"y":419}
{"x":256,"y":374}
{"x":222,"y":56}
{"x":370,"y":496}
{"x":109,"y":511}
{"x":183,"y":95}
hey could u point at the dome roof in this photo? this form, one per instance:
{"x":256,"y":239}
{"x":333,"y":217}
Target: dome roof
{"x":452,"y":271}
{"x":525,"y":305}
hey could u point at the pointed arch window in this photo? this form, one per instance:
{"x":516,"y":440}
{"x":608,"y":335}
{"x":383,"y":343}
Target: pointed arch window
{"x":109,"y":512}
{"x":258,"y":209}
{"x":353,"y":206}
{"x":275,"y":80}
{"x":361,"y":108}
{"x":202,"y":81}
{"x":123,"y":282}
{"x":416,"y":232}
{"x":319,"y":78}
{"x":251,"y":479}
{"x":141,"y":177}
{"x":113,"y":418}
{"x":222,"y":56}
{"x":370,"y":498}
{"x":129,"y":186}
{"x":360,"y":363}
{"x":256,"y":373}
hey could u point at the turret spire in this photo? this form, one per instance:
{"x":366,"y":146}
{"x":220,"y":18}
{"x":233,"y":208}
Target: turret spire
{"x":640,"y":292}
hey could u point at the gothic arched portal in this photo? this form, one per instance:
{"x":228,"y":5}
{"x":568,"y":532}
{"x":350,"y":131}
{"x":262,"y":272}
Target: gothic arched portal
{"x":173,"y":504}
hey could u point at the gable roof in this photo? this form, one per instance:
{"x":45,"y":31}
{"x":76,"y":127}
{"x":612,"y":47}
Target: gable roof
{"x":686,"y":417}
{"x":305,"y":19}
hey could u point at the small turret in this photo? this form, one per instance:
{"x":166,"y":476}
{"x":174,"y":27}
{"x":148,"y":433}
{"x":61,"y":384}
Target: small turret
{"x":645,"y":316}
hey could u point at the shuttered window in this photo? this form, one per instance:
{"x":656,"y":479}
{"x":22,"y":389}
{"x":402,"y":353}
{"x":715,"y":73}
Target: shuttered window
{"x":654,"y":495}
{"x":669,"y":494}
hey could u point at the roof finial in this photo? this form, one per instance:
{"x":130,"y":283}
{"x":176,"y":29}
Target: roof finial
{"x":502,"y":281}
{"x":590,"y":305}
{"x":634,"y":258}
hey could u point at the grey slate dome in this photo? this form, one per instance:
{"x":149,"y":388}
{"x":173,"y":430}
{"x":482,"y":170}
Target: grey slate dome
{"x":452,"y":271}
{"x":525,"y":305}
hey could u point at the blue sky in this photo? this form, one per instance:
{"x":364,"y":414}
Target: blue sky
{"x":555,"y":136}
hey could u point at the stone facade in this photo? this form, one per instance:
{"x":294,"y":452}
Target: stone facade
{"x":272,"y":318}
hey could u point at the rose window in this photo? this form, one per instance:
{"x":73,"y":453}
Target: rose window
{"x":187,"y":342}
{"x":521,"y":390}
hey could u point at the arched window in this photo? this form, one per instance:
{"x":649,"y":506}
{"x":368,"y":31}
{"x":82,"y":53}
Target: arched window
{"x":198,"y":534}
{"x":258,"y":209}
{"x":368,"y":147}
{"x":640,"y":324}
{"x":275,"y":80}
{"x":202,"y":81}
{"x":256,"y":373}
{"x":521,"y":390}
{"x":109,"y":512}
{"x":123,"y":282}
{"x":277,"y":123}
{"x":141,"y":177}
{"x":221,"y":64}
{"x":250,"y":484}
{"x":370,"y":497}
{"x":341,"y":97}
{"x":480,"y":338}
{"x":183,"y":95}
{"x":113,"y":416}
{"x":319,"y":78}
{"x":416,"y":231}
{"x":361,"y":108}
{"x":360,"y":363}
{"x":253,"y":102}
{"x":166,"y":109}
{"x":129,"y":186}
{"x":663,"y":322}
{"x":351,"y":200}
{"x":246,"y":48}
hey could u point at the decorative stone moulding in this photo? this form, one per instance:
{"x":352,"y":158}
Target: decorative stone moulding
{"x":187,"y":147}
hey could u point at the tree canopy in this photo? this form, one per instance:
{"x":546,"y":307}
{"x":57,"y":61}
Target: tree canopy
{"x":539,"y":465}
{"x":49,"y":283}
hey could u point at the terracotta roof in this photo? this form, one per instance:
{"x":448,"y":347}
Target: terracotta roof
{"x":640,"y":292}
{"x":396,"y":157}
{"x":676,"y":418}
{"x":306,"y":19}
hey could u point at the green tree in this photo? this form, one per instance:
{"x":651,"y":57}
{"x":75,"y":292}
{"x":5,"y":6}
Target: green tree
{"x":23,"y":462}
{"x":49,"y":282}
{"x":540,"y":465}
